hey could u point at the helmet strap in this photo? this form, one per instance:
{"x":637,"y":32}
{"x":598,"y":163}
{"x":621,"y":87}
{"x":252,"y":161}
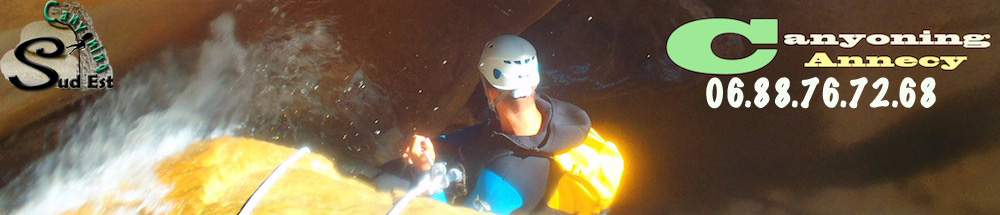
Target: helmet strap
{"x":489,"y":102}
{"x":517,"y":93}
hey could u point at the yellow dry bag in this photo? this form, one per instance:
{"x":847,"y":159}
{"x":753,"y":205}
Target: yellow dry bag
{"x":592,"y":173}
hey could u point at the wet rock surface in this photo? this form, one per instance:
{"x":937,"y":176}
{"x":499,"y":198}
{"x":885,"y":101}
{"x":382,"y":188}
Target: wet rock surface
{"x":408,"y":71}
{"x":219,"y":175}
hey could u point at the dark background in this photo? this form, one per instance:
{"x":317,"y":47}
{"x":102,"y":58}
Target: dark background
{"x":608,"y":57}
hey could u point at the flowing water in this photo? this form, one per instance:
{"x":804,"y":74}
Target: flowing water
{"x":222,"y":87}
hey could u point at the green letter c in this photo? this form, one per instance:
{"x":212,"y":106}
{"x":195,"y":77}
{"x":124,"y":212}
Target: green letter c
{"x":45,"y":11}
{"x":690,"y":46}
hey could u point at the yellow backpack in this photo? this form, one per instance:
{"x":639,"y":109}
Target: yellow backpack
{"x":592,"y":173}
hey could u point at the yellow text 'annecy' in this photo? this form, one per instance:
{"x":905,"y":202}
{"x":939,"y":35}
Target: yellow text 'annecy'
{"x":947,"y":63}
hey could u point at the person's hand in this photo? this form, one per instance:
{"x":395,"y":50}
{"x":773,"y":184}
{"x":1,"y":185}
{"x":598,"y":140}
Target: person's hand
{"x":420,"y":153}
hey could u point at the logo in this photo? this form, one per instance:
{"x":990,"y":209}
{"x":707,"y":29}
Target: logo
{"x":690,"y":46}
{"x":63,"y":50}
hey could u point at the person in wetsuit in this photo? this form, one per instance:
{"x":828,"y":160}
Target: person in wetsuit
{"x":507,"y":158}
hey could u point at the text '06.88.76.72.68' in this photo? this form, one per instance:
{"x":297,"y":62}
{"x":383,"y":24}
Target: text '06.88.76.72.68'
{"x":909,"y":93}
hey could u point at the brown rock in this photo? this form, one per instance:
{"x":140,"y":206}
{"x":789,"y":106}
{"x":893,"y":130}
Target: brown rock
{"x":218,"y":176}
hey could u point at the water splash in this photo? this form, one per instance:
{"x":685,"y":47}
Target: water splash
{"x":114,"y":145}
{"x":111,"y":149}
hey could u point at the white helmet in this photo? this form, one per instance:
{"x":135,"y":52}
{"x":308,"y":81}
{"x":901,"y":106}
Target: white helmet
{"x":509,"y":63}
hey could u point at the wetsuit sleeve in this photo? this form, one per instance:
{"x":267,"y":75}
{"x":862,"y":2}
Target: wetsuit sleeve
{"x":510,"y":185}
{"x":446,"y":149}
{"x":446,"y":146}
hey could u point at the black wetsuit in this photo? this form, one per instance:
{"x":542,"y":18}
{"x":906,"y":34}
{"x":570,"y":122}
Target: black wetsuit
{"x":506,"y":173}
